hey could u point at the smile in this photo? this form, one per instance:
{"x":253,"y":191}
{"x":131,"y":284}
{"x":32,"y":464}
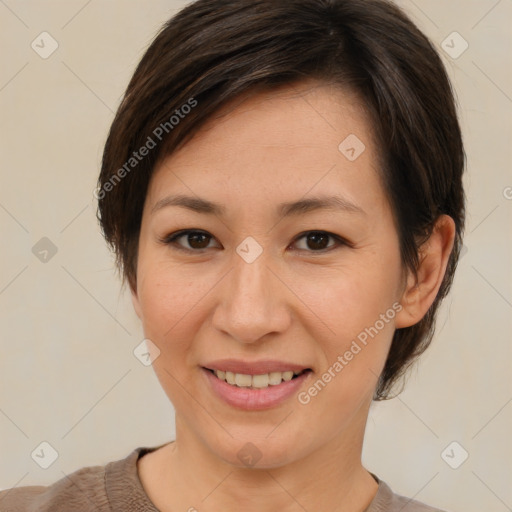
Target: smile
{"x":243,"y":380}
{"x":255,"y":390}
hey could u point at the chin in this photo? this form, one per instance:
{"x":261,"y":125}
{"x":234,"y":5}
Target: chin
{"x":257,"y":448}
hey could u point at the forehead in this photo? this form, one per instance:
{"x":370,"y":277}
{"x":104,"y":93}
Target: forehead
{"x":283,"y":141}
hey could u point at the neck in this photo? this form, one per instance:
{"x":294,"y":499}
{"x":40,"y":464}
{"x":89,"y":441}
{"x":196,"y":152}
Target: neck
{"x":329,"y":478}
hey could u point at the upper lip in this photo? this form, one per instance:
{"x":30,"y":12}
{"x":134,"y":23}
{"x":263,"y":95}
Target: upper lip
{"x":254,"y":367}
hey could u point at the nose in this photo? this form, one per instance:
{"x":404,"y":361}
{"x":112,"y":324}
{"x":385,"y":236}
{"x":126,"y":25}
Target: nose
{"x":251,"y":302}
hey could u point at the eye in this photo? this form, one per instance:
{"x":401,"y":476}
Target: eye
{"x":194,"y":240}
{"x":189,"y":240}
{"x":317,"y":241}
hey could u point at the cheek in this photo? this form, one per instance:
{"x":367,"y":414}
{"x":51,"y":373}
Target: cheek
{"x":169,"y":298}
{"x":358,"y":304}
{"x":351,"y":298}
{"x":172,"y":312}
{"x":361,"y":316}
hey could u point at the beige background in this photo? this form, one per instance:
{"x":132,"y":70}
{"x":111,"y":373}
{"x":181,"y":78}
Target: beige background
{"x":68,"y":375}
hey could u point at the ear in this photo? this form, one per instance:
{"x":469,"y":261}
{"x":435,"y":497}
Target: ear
{"x":420,"y":293}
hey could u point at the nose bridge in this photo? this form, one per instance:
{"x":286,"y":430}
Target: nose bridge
{"x":250,"y":305}
{"x":250,"y":283}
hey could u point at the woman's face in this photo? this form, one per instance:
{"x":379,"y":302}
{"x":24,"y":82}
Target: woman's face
{"x":292,"y":263}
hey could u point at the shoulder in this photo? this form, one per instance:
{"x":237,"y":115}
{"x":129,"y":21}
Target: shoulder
{"x":81,"y":490}
{"x":88,"y":488}
{"x":387,"y":501}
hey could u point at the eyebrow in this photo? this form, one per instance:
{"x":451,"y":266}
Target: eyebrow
{"x":299,"y":207}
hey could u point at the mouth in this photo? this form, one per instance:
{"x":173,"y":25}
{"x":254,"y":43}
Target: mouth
{"x":255,"y":386}
{"x":259,"y":381}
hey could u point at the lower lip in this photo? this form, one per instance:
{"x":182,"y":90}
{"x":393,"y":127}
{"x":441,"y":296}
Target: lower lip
{"x":250,"y":399}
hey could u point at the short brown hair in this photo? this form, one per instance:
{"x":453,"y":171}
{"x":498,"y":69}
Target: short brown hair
{"x":214,"y":50}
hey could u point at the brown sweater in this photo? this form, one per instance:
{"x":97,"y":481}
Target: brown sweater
{"x":116,"y":488}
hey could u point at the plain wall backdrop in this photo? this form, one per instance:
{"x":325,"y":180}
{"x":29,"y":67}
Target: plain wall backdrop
{"x":68,"y":374}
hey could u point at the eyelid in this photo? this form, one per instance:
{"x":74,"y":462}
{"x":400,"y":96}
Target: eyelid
{"x":171,"y":239}
{"x":340,"y":241}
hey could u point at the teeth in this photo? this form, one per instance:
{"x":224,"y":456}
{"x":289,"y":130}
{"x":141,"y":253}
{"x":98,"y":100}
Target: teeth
{"x":242,"y":380}
{"x":265,"y":380}
{"x":274,"y":378}
{"x":287,"y":376}
{"x":261,"y":381}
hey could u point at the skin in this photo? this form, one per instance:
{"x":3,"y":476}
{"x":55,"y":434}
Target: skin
{"x":294,"y":302}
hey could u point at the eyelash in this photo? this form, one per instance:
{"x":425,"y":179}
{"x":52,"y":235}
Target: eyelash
{"x":171,"y":240}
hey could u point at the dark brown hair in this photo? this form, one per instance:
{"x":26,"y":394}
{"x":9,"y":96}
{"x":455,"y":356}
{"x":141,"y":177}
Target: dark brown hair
{"x":214,"y":50}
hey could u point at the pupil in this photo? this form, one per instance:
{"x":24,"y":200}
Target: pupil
{"x":317,"y":240}
{"x":198,"y":240}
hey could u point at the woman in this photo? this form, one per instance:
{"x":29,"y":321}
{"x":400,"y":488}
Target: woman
{"x":282,"y":187}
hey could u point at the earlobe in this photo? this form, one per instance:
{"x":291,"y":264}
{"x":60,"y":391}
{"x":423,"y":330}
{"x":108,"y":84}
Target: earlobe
{"x":409,"y":314}
{"x":420,"y":293}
